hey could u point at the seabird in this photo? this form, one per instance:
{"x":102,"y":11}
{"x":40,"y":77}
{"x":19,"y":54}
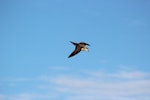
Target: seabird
{"x":78,"y":47}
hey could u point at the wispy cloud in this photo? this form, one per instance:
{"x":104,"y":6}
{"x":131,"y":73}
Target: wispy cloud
{"x":94,"y":85}
{"x":119,"y":76}
{"x":130,"y":75}
{"x":29,"y":96}
{"x":95,"y":89}
{"x":133,"y":85}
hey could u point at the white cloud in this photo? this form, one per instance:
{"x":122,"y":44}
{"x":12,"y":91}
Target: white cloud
{"x":95,"y":87}
{"x":131,"y":75}
{"x":93,"y":90}
{"x":123,"y":84}
{"x":133,"y":85}
{"x":29,"y":96}
{"x":118,"y":75}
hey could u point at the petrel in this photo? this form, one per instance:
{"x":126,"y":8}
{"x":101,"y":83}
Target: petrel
{"x":78,"y":47}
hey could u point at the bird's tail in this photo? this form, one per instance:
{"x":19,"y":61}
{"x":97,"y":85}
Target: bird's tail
{"x":73,"y":43}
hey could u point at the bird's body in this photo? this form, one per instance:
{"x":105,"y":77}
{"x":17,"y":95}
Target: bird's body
{"x":78,"y":47}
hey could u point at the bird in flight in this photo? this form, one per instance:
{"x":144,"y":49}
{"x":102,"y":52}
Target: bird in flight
{"x":78,"y":47}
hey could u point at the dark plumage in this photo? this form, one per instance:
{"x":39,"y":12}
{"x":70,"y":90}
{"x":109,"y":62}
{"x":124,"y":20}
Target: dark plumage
{"x":78,"y":47}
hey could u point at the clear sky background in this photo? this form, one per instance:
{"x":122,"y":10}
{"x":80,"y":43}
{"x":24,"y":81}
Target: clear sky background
{"x":34,"y":50}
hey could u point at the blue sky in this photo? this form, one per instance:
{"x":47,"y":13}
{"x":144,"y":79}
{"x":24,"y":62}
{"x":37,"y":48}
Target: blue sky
{"x":34,"y":49}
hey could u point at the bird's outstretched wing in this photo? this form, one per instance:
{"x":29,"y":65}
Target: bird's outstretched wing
{"x":84,"y":43}
{"x":73,"y":43}
{"x":77,"y":50}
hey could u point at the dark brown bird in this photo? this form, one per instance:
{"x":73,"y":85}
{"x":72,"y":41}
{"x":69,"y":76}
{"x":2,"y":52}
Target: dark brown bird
{"x":78,"y":47}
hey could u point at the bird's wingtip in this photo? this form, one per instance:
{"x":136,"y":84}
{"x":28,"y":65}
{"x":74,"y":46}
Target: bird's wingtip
{"x":69,"y":56}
